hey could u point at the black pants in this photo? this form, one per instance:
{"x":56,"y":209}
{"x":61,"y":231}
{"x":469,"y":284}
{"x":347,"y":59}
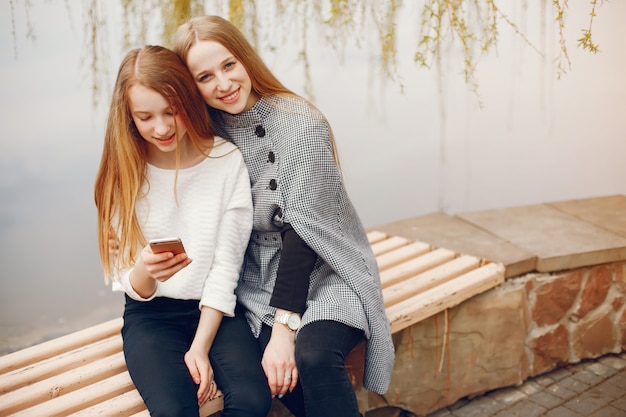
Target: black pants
{"x":158,"y":333}
{"x":324,"y":388}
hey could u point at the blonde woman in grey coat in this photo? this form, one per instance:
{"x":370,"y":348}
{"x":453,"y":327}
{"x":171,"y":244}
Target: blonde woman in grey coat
{"x":309,"y":286}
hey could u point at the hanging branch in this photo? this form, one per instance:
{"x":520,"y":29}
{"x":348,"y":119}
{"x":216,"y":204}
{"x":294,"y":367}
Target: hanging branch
{"x":586,"y":42}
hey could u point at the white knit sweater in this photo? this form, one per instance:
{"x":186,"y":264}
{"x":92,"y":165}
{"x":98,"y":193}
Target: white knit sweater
{"x":213,"y":217}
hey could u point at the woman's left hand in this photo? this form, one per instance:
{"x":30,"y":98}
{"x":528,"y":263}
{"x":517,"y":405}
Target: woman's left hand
{"x":279,"y":361}
{"x":202,"y":374}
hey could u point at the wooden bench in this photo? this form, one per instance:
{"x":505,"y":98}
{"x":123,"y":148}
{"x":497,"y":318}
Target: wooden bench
{"x":84,"y":373}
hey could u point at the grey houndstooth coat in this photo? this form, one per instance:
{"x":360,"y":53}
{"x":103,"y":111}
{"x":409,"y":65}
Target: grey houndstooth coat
{"x":294,"y":178}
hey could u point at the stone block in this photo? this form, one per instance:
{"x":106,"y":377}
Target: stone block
{"x":595,"y":289}
{"x":555,"y":296}
{"x":559,"y":240}
{"x":595,"y":335}
{"x":550,"y":350}
{"x":478,"y":347}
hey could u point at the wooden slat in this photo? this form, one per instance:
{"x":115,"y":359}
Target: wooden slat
{"x":124,"y":405}
{"x":428,"y":303}
{"x":415,"y":266}
{"x":143,"y":413}
{"x":402,"y":254}
{"x":37,"y":353}
{"x":390,"y":244}
{"x":61,"y":384}
{"x":130,"y":404}
{"x":429,"y":279}
{"x":59,"y":364}
{"x":375,"y":236}
{"x":74,"y":401}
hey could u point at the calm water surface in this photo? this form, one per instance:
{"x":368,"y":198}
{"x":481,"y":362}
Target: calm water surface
{"x":431,"y":148}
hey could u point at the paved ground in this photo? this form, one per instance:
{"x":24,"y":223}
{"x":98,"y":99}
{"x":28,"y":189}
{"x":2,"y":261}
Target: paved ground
{"x":591,"y":389}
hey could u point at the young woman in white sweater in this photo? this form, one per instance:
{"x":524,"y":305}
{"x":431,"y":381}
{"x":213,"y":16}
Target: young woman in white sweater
{"x":164,"y":173}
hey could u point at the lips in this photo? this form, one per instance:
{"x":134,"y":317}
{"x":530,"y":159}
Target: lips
{"x":231,"y":98}
{"x":166,"y":140}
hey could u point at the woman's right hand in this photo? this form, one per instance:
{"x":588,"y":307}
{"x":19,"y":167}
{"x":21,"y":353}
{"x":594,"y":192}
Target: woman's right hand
{"x":151,"y":267}
{"x":161,"y":266}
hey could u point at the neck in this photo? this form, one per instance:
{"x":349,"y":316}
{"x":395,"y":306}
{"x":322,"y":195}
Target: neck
{"x":188,"y":155}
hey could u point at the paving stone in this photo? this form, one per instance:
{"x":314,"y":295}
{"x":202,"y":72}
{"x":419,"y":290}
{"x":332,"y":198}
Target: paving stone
{"x":562,"y":412}
{"x":601,"y":369}
{"x":619,"y":380}
{"x":490,"y":405}
{"x":608,"y":411}
{"x":530,"y":388}
{"x":545,"y":399}
{"x":588,"y":402}
{"x":610,"y":389}
{"x":560,"y":374}
{"x":573,"y":384}
{"x":587,"y":377}
{"x":544,"y":380}
{"x":620,"y":404}
{"x":522,"y":409}
{"x":561,"y":392}
{"x":614,"y":362}
{"x":589,"y":389}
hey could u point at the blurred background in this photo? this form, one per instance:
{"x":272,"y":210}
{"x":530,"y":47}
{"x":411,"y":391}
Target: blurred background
{"x":436,"y":105}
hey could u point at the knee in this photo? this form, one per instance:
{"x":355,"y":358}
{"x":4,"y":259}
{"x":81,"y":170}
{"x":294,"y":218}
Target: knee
{"x":255,"y":402}
{"x":318,"y":359}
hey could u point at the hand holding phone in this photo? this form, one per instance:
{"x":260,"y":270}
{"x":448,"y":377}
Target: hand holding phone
{"x":174,"y":245}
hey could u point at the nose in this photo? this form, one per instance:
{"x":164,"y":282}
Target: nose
{"x":223,"y":82}
{"x":162,"y":127}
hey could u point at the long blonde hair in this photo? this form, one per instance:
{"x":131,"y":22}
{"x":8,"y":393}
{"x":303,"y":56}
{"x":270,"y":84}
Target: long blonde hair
{"x":218,"y":29}
{"x":122,"y":170}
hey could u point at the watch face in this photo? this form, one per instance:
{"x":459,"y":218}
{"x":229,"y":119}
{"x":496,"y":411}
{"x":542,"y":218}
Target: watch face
{"x":293,"y":321}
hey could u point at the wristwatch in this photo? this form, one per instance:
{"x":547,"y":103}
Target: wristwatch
{"x":291,"y":320}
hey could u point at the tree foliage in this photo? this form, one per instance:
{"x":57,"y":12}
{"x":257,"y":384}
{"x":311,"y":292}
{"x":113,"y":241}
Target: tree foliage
{"x":469,"y":27}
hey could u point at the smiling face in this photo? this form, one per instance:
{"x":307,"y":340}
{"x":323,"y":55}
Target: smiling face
{"x":157,"y":122}
{"x":221,"y":79}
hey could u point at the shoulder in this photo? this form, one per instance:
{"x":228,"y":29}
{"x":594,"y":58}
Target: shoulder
{"x":295,"y":107}
{"x":296,"y":117}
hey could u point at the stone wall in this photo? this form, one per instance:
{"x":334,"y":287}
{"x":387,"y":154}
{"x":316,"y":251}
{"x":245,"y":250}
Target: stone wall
{"x":528,"y":326}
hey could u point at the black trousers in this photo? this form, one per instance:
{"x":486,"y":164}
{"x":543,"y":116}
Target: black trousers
{"x":324,"y":388}
{"x":158,"y":333}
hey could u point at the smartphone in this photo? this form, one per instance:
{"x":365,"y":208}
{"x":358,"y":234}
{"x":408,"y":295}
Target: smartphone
{"x":171,"y":244}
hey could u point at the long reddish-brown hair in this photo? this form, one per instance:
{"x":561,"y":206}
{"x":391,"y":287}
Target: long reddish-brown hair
{"x":122,"y":170}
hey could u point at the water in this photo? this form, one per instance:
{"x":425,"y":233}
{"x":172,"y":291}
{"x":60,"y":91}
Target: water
{"x":431,"y":148}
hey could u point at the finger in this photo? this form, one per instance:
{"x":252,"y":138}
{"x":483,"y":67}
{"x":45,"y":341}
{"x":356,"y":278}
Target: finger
{"x":204,"y":398}
{"x":288,"y":383}
{"x":203,"y":389}
{"x":195,"y":375}
{"x":294,"y":379}
{"x":212,"y":390}
{"x":270,"y":374}
{"x":282,"y":382}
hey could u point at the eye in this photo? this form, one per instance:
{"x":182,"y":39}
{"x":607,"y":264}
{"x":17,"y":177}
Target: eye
{"x":230,"y":65}
{"x":204,"y":78}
